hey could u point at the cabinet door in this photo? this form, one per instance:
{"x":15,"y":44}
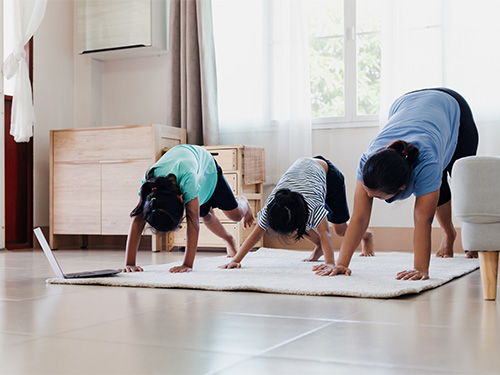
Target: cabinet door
{"x":120,"y":187}
{"x":77,"y":198}
{"x":206,"y":238}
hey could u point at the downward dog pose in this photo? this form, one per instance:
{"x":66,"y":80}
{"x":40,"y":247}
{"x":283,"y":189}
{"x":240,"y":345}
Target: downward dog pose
{"x":186,"y":177}
{"x":308,"y":196}
{"x":427,"y":131}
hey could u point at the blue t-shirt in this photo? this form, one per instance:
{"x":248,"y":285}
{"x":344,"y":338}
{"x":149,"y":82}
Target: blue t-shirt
{"x":430,"y":121}
{"x":194,"y":169}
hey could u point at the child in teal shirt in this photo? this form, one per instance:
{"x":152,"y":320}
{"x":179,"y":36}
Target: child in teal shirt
{"x":188,"y":178}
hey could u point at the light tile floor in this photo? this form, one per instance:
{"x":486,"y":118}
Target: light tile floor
{"x":64,"y":329}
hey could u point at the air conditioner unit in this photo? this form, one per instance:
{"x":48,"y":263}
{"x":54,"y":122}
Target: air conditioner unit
{"x":116,"y":29}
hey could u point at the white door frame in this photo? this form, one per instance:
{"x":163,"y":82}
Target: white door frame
{"x":2,"y":143}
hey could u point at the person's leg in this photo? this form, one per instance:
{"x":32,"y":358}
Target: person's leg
{"x":367,"y":249}
{"x":314,"y":237}
{"x":338,"y":211}
{"x":243,"y":211}
{"x":443,"y":215}
{"x":223,"y":198}
{"x":215,"y":226}
{"x":467,"y":143}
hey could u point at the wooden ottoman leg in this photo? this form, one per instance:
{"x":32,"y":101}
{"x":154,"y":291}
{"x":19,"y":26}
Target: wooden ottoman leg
{"x":488,"y":264}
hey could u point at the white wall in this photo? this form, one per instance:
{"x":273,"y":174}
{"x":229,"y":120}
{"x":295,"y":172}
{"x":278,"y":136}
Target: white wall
{"x":134,"y":91}
{"x":52,"y":93}
{"x":120,"y":92}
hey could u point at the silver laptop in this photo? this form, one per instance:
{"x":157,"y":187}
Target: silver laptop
{"x":57,"y":269}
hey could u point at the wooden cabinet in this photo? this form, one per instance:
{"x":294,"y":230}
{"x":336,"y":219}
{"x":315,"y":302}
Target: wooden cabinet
{"x":95,"y":175}
{"x":244,"y":170}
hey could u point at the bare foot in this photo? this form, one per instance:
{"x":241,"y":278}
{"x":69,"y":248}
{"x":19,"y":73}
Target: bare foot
{"x":248,"y":219}
{"x":367,"y":247}
{"x":315,"y":255}
{"x":231,"y":247}
{"x":471,"y":254}
{"x":446,"y":248}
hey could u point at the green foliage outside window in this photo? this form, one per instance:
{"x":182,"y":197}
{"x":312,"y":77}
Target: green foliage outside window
{"x":326,"y":63}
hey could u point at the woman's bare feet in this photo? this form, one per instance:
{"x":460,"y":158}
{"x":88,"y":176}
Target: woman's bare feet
{"x":446,"y":247}
{"x":367,"y":247}
{"x":315,"y":255}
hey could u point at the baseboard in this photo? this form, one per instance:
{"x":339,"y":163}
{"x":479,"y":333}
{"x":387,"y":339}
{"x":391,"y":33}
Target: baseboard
{"x":385,"y":239}
{"x":105,"y":242}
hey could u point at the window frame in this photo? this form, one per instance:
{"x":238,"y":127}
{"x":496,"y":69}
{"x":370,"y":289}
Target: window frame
{"x":350,"y":119}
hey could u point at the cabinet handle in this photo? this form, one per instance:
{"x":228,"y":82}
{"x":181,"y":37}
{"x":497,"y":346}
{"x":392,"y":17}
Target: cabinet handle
{"x":214,"y":153}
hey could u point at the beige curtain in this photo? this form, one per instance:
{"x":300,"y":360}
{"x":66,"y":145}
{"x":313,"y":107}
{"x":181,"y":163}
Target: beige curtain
{"x":193,"y":89}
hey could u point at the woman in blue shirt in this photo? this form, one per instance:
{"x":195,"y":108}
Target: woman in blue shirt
{"x":188,"y":178}
{"x":427,"y":131}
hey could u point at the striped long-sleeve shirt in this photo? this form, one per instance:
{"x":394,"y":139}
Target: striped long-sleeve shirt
{"x":307,"y":177}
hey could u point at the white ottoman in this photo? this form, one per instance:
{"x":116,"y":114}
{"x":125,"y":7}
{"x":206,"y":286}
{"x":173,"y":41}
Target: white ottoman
{"x":475,"y":185}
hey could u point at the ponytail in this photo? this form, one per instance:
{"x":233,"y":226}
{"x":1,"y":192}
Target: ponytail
{"x":406,"y":150}
{"x":160,"y":203}
{"x":288,"y":213}
{"x":388,"y":170}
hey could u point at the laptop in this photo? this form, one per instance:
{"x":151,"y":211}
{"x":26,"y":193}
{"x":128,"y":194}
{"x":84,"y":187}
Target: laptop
{"x":57,"y":269}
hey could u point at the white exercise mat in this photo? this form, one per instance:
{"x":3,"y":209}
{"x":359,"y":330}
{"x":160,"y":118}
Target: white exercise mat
{"x":281,"y":271}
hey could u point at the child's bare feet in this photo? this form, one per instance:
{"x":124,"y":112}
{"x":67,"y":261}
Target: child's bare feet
{"x":471,"y":254}
{"x":248,"y":219}
{"x":231,"y":248}
{"x":446,"y":247}
{"x":367,"y":247}
{"x":315,"y":255}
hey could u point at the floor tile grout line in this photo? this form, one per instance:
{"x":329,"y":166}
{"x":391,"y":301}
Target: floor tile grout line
{"x":375,"y":364}
{"x":270,"y":348}
{"x":260,"y":354}
{"x":334,"y":320}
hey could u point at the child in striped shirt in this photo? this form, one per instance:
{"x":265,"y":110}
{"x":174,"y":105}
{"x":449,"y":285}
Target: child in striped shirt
{"x":310,"y":194}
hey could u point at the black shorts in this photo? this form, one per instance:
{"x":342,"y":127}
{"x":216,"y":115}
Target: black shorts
{"x":336,"y":202}
{"x":468,"y":140}
{"x":222,"y":197}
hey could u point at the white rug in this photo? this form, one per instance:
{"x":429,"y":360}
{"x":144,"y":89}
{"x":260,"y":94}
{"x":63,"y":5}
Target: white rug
{"x":281,"y":271}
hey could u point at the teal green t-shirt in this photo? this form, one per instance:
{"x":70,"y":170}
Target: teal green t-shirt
{"x":193,"y":167}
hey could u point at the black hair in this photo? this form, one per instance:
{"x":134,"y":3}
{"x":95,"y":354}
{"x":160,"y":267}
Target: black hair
{"x":160,"y":203}
{"x":388,"y":169}
{"x":288,"y":213}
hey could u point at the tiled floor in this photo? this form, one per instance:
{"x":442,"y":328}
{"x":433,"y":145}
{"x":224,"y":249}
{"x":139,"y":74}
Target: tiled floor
{"x":64,"y":329}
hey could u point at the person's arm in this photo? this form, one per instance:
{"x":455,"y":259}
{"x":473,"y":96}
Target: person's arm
{"x":193,"y":231}
{"x":425,"y":208}
{"x":355,"y":231}
{"x":134,"y":238}
{"x":326,"y":242}
{"x":248,"y":245}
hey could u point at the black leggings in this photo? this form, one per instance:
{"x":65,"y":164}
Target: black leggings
{"x":468,"y":140}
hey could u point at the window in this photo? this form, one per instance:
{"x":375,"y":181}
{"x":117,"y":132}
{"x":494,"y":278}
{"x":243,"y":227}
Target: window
{"x":345,"y":60}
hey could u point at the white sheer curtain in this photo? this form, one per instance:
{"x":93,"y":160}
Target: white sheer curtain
{"x":412,"y":49}
{"x":451,"y":43}
{"x":263,"y":78}
{"x":28,"y":15}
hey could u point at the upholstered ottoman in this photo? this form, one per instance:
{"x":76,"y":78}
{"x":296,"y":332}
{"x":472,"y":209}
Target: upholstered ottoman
{"x":475,"y":187}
